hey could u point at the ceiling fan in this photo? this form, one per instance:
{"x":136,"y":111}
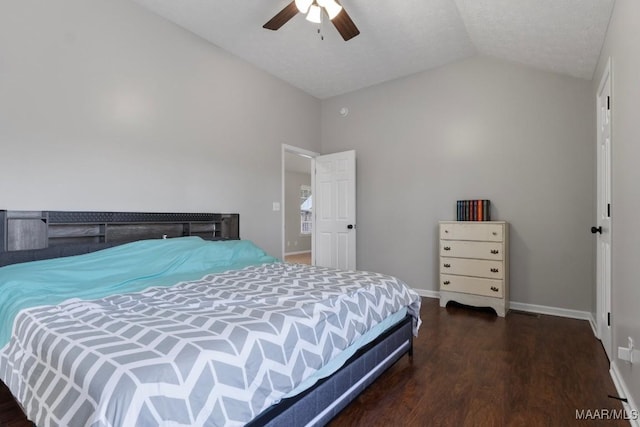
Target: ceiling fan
{"x":314,"y":9}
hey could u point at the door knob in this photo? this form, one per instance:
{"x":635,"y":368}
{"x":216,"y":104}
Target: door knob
{"x":595,"y":230}
{"x":350,"y":226}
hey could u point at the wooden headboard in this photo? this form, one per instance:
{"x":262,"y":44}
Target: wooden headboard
{"x":34,"y":235}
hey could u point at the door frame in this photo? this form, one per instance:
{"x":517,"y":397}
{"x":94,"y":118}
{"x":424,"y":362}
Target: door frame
{"x":604,"y":288}
{"x":301,"y":152}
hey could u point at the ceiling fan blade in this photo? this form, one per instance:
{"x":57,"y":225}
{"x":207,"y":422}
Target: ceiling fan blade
{"x":345,"y":25}
{"x":282,"y":17}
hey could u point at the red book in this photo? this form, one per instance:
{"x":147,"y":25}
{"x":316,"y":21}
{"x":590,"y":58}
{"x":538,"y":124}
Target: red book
{"x":480,"y":217}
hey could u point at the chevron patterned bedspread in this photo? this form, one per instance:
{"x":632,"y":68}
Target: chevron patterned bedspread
{"x":215,"y":351}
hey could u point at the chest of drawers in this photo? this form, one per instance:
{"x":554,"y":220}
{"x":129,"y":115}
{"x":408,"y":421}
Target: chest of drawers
{"x":474,"y":264}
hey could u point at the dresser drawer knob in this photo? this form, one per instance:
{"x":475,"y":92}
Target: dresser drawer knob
{"x":446,"y":282}
{"x":494,"y":233}
{"x":494,"y":270}
{"x":446,"y":265}
{"x":494,"y":289}
{"x":495,"y":251}
{"x":447,"y":248}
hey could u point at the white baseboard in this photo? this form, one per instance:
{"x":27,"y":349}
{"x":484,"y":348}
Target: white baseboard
{"x":296,"y":253}
{"x":553,"y":311}
{"x":427,"y":293}
{"x":594,"y":325}
{"x":630,"y":406}
{"x":532,"y":308}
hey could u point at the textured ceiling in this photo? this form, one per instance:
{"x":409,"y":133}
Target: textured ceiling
{"x":398,"y":38}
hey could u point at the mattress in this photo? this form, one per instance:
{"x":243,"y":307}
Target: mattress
{"x":217,"y":350}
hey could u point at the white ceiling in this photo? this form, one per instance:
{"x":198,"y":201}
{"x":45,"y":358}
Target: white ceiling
{"x":398,"y":38}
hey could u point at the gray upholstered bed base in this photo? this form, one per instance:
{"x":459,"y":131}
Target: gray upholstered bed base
{"x":319,"y":404}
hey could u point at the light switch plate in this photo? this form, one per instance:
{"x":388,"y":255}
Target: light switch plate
{"x":276,"y":206}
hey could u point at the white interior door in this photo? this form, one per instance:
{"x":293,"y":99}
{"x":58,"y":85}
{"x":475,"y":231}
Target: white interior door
{"x":602,"y":229}
{"x":335,"y":210}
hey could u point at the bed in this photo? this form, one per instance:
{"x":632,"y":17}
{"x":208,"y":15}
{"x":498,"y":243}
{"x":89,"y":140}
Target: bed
{"x":170,"y":319}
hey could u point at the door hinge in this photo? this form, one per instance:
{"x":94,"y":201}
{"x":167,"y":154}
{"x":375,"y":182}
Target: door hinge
{"x":608,"y":319}
{"x":608,"y":210}
{"x":608,"y":102}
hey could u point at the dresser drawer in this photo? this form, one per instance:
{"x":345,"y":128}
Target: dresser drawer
{"x":472,"y":231}
{"x":472,"y":285}
{"x":466,"y":249}
{"x":472,"y":267}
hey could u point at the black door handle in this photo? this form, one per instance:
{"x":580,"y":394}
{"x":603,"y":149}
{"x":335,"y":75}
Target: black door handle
{"x":350,"y":226}
{"x":595,"y":230}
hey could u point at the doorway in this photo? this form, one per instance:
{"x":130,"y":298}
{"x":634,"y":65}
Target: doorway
{"x":297,"y":202}
{"x":326,"y":211}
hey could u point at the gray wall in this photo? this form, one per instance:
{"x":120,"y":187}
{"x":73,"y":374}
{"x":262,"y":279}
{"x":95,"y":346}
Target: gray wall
{"x":484,"y":129}
{"x":621,"y":44}
{"x":106,"y":106}
{"x":293,"y":240}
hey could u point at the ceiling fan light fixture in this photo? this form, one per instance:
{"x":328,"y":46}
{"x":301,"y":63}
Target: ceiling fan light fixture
{"x":331,"y":6}
{"x":303,"y":5}
{"x":314,"y":11}
{"x":314,"y":14}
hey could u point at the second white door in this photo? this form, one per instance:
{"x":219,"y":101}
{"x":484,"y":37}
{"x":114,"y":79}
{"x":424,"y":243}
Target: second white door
{"x":335,"y":210}
{"x":603,"y":226}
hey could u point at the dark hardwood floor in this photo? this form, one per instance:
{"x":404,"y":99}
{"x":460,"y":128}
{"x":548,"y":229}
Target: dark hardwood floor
{"x":471,"y":368}
{"x":10,"y":413}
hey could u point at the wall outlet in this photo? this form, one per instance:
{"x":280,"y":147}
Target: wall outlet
{"x":628,"y":353}
{"x":624,"y":354}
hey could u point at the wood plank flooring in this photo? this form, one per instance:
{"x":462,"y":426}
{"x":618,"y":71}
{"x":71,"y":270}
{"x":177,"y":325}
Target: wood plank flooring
{"x":304,"y":258}
{"x":471,"y":368}
{"x":10,"y":413}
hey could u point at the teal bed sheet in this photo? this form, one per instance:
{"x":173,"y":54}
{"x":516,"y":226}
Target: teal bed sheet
{"x":130,"y":267}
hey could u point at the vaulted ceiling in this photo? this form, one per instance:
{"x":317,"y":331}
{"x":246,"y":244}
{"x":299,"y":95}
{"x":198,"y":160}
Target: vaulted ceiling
{"x":398,"y":38}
